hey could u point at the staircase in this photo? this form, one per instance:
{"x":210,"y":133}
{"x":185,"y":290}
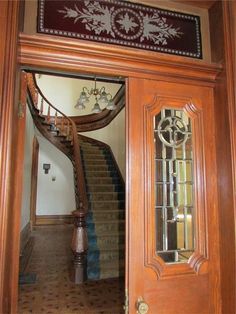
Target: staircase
{"x":105,"y":219}
{"x":99,"y":193}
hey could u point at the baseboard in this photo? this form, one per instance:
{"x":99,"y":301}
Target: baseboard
{"x":24,"y":237}
{"x":26,"y":247}
{"x":53,"y":220}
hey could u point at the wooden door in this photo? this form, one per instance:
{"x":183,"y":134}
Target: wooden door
{"x":173,"y":241}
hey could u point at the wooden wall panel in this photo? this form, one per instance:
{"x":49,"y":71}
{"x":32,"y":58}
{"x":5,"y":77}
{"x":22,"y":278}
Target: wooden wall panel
{"x":217,"y":36}
{"x":225,"y":193}
{"x":222,"y":40}
{"x":9,"y":13}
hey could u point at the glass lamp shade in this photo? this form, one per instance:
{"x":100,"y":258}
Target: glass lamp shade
{"x":83,"y":98}
{"x":96,"y":108}
{"x":79,"y":105}
{"x":111,"y":105}
{"x":103,"y":98}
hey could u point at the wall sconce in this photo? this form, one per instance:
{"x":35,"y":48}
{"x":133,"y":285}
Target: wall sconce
{"x":46,"y":168}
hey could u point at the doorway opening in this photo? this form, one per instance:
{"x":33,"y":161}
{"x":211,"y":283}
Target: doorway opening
{"x":47,"y":278}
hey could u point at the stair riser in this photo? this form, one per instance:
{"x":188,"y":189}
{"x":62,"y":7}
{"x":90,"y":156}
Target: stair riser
{"x":98,"y":168}
{"x":108,"y":216}
{"x":95,"y":153}
{"x":116,"y":239}
{"x":105,"y":196}
{"x":102,"y":180}
{"x":110,"y":242}
{"x":105,"y":221}
{"x":106,"y":256}
{"x":97,"y":163}
{"x":108,"y":206}
{"x":101,"y":228}
{"x":99,"y":174}
{"x":100,"y":157}
{"x":105,"y":188}
{"x":86,"y":148}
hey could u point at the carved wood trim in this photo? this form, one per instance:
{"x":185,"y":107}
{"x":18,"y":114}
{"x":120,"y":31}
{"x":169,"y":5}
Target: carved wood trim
{"x":9,"y":231}
{"x":200,"y":255}
{"x":71,"y":55}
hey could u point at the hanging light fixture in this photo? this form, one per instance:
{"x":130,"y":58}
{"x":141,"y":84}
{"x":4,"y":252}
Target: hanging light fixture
{"x":101,"y":98}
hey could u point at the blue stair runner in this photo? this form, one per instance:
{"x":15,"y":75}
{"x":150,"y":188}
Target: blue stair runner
{"x":105,"y":220}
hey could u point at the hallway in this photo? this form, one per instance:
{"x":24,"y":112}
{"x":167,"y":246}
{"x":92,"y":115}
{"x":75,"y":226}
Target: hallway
{"x":53,"y":292}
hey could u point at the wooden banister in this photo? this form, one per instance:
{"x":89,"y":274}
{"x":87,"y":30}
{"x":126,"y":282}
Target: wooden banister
{"x":79,"y":240}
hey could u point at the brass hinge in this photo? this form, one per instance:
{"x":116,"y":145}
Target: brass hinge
{"x":126,"y":305}
{"x":20,"y":110}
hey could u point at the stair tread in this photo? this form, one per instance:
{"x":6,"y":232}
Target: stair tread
{"x":110,"y":201}
{"x":106,"y":185}
{"x":114,"y":234}
{"x":106,"y":192}
{"x":103,"y":211}
{"x":106,"y":241}
{"x":109,"y":222}
{"x":106,"y":249}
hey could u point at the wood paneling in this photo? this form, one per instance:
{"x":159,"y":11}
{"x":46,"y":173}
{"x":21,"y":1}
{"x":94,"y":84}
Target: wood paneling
{"x":73,"y":56}
{"x":226,"y":112}
{"x":217,"y":36}
{"x":222,"y":27}
{"x":10,"y":191}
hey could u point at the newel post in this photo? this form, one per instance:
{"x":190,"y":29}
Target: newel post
{"x":79,"y":247}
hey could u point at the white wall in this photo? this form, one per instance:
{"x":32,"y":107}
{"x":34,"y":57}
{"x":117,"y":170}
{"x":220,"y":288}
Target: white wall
{"x":29,"y":135}
{"x":54,"y":197}
{"x":64,"y":92}
{"x":114,"y":136}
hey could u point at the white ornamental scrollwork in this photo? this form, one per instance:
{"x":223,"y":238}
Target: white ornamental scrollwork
{"x":127,"y":23}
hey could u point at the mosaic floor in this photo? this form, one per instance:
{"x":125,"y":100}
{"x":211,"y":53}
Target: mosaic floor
{"x":53,"y":292}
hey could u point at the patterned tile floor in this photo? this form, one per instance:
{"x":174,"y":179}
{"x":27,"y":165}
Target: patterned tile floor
{"x":53,"y":292}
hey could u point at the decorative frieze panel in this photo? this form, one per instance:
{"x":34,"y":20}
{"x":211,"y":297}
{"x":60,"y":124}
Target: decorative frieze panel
{"x":122,"y":23}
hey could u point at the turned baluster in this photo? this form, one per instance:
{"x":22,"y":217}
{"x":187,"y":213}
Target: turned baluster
{"x":36,"y":98}
{"x":62,"y":124}
{"x":68,"y":130}
{"x":41,"y":107}
{"x":55,"y":119}
{"x":79,"y":247}
{"x":48,"y":115}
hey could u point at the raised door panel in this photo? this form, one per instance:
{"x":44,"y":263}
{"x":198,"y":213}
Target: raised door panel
{"x":172,"y":263}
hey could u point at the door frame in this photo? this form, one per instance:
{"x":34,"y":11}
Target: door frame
{"x":64,"y":55}
{"x":34,"y":181}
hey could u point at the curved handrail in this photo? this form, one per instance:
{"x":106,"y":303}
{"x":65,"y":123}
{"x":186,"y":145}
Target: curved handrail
{"x":82,"y":203}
